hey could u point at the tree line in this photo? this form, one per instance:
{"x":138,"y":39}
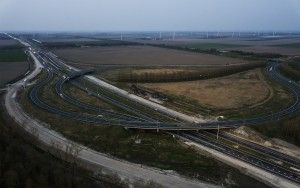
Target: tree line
{"x":290,"y":71}
{"x":187,"y":75}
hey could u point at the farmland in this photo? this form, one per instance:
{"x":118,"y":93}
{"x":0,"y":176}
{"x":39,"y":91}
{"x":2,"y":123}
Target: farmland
{"x":270,"y":49}
{"x":285,"y":46}
{"x":224,"y":41}
{"x":11,"y":70}
{"x":12,"y":55}
{"x":218,"y":46}
{"x":12,"y":61}
{"x":141,"y":55}
{"x":182,"y":75}
{"x":289,"y":45}
{"x":82,"y":43}
{"x":8,"y":43}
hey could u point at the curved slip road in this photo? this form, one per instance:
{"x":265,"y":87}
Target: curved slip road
{"x":125,"y":170}
{"x":292,"y":86}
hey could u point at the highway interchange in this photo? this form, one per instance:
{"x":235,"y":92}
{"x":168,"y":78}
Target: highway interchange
{"x":136,"y":116}
{"x":144,"y":122}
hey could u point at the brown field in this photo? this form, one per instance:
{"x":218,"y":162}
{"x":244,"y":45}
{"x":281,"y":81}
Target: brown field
{"x":271,"y":49}
{"x":258,"y":46}
{"x":225,"y":41}
{"x":141,"y":55}
{"x":239,"y":90}
{"x":11,"y":70}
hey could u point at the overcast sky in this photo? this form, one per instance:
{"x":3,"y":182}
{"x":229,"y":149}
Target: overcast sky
{"x":150,"y":15}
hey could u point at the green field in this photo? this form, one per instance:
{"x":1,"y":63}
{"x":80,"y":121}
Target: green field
{"x":13,"y":55}
{"x":290,"y":45}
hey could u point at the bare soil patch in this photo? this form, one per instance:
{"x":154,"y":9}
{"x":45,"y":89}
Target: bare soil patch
{"x":142,"y":55}
{"x":235,"y":91}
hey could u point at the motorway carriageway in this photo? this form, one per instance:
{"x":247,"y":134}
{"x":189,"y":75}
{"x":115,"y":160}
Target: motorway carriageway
{"x":145,"y":122}
{"x":139,"y":120}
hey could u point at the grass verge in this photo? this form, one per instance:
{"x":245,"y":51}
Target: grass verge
{"x":149,"y":148}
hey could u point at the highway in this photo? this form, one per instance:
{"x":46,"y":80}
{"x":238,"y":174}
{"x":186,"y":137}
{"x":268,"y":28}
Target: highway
{"x":104,"y":164}
{"x":144,"y":122}
{"x":265,"y":163}
{"x":139,"y":119}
